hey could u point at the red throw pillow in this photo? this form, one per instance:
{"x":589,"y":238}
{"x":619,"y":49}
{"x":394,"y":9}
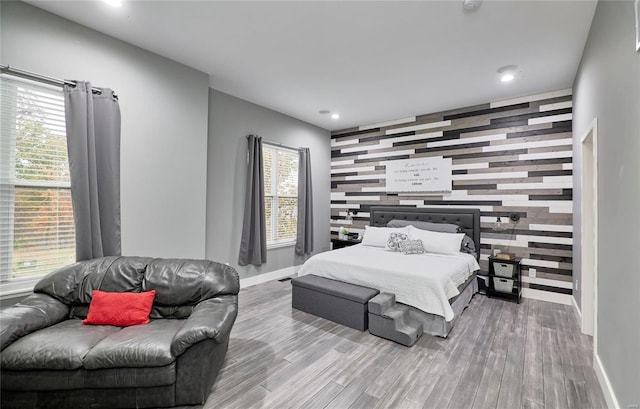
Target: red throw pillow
{"x":120,"y":309}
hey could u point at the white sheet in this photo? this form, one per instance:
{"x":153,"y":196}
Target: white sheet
{"x":425,"y":281}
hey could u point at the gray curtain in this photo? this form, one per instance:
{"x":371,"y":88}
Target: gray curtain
{"x":93,"y":142}
{"x":304,"y":241}
{"x":253,"y":245}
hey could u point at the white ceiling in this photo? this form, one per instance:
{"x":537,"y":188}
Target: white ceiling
{"x":369,"y":61}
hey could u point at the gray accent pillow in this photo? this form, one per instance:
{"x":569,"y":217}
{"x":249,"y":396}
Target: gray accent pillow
{"x":437,"y":227}
{"x":395,"y":240}
{"x":412,"y":247}
{"x":468,"y":246}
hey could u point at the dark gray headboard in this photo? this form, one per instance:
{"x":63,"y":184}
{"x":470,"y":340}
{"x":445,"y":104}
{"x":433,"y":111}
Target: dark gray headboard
{"x":467,"y":219}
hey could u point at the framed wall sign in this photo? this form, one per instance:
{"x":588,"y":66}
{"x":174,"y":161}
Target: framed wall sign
{"x":426,"y":175}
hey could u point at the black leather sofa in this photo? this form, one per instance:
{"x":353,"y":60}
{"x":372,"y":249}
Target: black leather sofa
{"x":50,"y":360}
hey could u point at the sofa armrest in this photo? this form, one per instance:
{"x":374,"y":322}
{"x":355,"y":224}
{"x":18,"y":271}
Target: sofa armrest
{"x":35,"y":312}
{"x":212,"y":318}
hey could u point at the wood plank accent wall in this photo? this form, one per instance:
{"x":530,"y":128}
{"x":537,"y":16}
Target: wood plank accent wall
{"x":508,"y":156}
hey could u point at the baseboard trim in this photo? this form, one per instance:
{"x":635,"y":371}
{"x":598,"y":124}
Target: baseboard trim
{"x":548,"y":296}
{"x":603,"y":379}
{"x":273,"y":275}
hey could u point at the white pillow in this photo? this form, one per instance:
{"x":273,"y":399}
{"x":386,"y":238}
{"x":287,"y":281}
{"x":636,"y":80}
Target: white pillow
{"x":436,"y":242}
{"x":378,"y":236}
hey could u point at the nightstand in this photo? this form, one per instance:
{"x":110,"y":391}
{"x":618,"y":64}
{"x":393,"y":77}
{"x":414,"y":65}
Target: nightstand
{"x":338,"y":244}
{"x":483,"y":282}
{"x":505,"y":279}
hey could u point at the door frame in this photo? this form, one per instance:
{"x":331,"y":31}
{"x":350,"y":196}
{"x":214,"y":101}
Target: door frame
{"x":589,"y":231}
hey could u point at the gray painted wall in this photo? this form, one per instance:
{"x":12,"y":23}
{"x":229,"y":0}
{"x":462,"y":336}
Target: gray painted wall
{"x":607,"y":86}
{"x":164,"y":123}
{"x":230,"y":120}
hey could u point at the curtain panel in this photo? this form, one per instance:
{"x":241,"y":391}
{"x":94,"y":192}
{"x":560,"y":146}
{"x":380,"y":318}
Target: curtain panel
{"x":304,"y":238}
{"x":253,"y":244}
{"x":93,"y":143}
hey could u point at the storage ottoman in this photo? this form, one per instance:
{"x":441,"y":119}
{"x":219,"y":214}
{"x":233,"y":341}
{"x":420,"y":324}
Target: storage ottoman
{"x":340,"y":302}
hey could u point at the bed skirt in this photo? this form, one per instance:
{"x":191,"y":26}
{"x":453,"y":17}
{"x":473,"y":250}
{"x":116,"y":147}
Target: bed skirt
{"x":436,"y":324}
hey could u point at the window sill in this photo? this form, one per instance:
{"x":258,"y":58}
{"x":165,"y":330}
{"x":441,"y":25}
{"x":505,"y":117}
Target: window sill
{"x":17,"y":289}
{"x":281,"y":244}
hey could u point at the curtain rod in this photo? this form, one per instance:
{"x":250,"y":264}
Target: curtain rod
{"x":278,"y":144}
{"x":6,"y":69}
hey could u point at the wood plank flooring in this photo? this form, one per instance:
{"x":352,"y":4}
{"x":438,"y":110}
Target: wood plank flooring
{"x":499,"y":355}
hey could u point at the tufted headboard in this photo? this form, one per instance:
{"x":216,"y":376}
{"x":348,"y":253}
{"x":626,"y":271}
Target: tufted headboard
{"x":467,"y":219}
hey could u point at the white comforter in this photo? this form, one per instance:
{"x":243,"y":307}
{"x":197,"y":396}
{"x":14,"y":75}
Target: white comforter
{"x":425,"y":281}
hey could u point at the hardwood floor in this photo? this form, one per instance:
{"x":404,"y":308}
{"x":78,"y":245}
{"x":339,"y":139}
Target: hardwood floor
{"x":499,"y":355}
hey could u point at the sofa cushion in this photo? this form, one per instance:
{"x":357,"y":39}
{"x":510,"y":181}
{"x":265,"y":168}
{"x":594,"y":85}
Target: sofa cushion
{"x":180,"y":284}
{"x":61,"y":346}
{"x":74,"y":284}
{"x":39,"y":380}
{"x":187,"y":282}
{"x":120,"y":309}
{"x":171,"y":311}
{"x":135,"y":347}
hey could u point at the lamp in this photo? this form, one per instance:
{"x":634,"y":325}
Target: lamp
{"x":498,"y":225}
{"x":514,"y":219}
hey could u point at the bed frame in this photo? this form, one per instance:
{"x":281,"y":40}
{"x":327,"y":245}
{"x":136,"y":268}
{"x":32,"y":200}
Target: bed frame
{"x":469,"y":222}
{"x":467,"y":219}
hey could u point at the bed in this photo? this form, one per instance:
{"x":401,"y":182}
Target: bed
{"x":436,"y":299}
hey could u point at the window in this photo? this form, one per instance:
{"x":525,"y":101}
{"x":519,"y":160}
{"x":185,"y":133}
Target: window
{"x":280,"y":194}
{"x":37,"y":233}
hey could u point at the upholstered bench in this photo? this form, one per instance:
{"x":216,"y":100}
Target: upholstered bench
{"x":340,"y":302}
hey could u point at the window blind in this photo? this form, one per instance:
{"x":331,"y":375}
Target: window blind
{"x":37,"y":233}
{"x":280,"y":194}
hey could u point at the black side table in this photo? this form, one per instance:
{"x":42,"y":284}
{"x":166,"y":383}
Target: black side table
{"x":338,"y":244}
{"x":505,"y":279}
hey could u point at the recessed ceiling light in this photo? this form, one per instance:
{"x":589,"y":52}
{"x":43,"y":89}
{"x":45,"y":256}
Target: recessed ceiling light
{"x":507,"y":73}
{"x":471,"y":5}
{"x":335,"y":116}
{"x":507,"y":77}
{"x":113,"y":3}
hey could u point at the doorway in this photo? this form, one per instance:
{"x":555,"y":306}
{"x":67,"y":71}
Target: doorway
{"x":589,"y":237}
